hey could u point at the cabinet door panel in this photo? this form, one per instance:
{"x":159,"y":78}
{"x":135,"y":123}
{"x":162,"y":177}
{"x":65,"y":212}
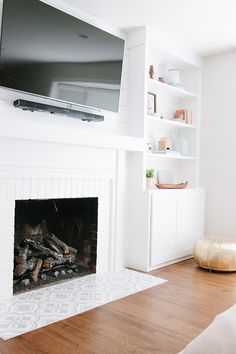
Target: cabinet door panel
{"x":163,"y":230}
{"x":189,"y":224}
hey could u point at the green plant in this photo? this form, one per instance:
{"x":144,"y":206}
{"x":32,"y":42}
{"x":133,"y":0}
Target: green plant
{"x":150,"y":173}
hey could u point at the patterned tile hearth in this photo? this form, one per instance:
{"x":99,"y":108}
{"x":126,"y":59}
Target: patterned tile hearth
{"x":35,"y":309}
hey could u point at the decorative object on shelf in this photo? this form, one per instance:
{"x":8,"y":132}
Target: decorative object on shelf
{"x":150,"y":173}
{"x":164,"y":144}
{"x":149,"y":147}
{"x":151,"y":72}
{"x":180,"y":115}
{"x":151,"y":103}
{"x":183,"y":116}
{"x":173,"y":77}
{"x":163,"y":71}
{"x":189,"y":117}
{"x":172,"y":186}
{"x":150,"y":178}
{"x":161,"y":79}
{"x":165,"y":177}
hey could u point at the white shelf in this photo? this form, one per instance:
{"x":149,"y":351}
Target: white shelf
{"x":163,"y":156}
{"x":168,"y":89}
{"x":187,"y":190}
{"x":169,"y":122}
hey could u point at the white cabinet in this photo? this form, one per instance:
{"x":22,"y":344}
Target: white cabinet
{"x":189,"y":223}
{"x":176,"y":224}
{"x":163,"y":230}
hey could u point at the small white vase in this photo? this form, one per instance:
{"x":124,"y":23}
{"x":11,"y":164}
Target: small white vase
{"x":149,"y":183}
{"x":173,"y":77}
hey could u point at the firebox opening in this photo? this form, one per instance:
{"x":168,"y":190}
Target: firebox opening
{"x":55,"y":239}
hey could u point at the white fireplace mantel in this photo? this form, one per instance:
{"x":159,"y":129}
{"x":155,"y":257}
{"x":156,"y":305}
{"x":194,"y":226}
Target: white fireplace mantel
{"x":33,"y":131}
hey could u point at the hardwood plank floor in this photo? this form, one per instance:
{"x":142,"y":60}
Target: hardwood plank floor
{"x":159,"y":320}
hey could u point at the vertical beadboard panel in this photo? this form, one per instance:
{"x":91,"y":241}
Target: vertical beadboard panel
{"x":55,"y":188}
{"x":10,"y":188}
{"x":34,"y":189}
{"x":48,"y":187}
{"x":27,"y":187}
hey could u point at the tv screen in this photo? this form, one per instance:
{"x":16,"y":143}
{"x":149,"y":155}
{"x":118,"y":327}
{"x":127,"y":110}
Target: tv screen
{"x":49,"y":53}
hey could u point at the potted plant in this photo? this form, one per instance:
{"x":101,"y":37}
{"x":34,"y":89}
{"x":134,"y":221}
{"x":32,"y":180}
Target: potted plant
{"x":149,"y":178}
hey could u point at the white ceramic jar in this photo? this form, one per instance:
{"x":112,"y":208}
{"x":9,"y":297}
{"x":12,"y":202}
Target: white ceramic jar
{"x":173,"y":77}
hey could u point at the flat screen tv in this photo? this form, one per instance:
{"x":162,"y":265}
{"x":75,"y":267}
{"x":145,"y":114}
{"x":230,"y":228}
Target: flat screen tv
{"x":48,"y":53}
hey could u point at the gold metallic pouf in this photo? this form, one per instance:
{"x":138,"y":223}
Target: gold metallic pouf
{"x":216,"y":253}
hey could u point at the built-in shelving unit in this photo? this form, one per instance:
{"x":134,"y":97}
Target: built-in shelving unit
{"x":169,"y":98}
{"x":162,"y":123}
{"x":163,"y":224}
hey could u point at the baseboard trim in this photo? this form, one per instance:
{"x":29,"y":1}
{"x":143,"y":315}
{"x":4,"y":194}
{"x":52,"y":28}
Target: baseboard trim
{"x":173,"y":261}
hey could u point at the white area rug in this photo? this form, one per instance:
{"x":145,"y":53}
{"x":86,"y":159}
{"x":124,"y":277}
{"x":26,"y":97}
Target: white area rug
{"x":35,"y":309}
{"x":218,"y":338}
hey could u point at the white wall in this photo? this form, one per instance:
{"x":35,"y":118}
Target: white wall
{"x":218,"y":144}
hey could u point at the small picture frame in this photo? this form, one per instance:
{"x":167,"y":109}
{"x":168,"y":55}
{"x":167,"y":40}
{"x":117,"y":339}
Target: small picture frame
{"x":180,"y":114}
{"x":151,"y":103}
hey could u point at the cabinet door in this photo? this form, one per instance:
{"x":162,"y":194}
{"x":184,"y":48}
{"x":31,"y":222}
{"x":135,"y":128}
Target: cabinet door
{"x":163,"y":230}
{"x":189,"y":224}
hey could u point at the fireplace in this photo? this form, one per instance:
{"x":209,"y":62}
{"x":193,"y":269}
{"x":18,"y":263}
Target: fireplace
{"x":21,"y":184}
{"x":54,"y":240}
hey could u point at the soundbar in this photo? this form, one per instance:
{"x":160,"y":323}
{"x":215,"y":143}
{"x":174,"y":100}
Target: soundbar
{"x":39,"y":107}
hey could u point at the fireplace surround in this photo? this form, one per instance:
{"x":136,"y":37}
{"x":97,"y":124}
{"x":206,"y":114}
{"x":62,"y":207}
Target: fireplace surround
{"x":43,"y":159}
{"x":89,"y":178}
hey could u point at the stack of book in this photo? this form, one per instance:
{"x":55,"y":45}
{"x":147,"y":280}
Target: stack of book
{"x":183,"y":116}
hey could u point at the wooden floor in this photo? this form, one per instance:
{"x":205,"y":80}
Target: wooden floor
{"x":159,"y":320}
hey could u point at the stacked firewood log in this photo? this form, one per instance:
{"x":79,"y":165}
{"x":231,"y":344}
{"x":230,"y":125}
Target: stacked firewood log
{"x":40,"y":253}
